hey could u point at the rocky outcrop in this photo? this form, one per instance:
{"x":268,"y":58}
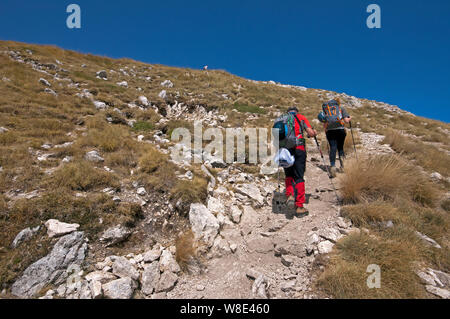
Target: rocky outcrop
{"x":204,"y":224}
{"x":52,"y":269}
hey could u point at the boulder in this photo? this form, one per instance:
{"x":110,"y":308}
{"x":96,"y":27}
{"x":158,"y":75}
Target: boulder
{"x":119,"y":289}
{"x":23,"y":236}
{"x":150,"y":278}
{"x":440,"y":292}
{"x":251,"y":191}
{"x":123,"y":268}
{"x":166,"y":282}
{"x":94,"y":156}
{"x":330,"y":234}
{"x":70,"y":250}
{"x":55,"y":228}
{"x":325,"y":247}
{"x":152,"y":255}
{"x":115,"y":235}
{"x":204,"y":225}
{"x":3,"y":130}
{"x":100,"y":105}
{"x":168,"y":263}
{"x":96,"y":289}
{"x":143,"y":101}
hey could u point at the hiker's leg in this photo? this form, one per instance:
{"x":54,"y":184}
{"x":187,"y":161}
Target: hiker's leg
{"x":342,"y":134}
{"x":341,"y":142}
{"x":289,"y":181}
{"x":333,"y":146}
{"x":299,"y":170}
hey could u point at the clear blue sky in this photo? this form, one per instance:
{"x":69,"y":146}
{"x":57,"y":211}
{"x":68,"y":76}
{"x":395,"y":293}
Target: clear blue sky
{"x":319,"y":44}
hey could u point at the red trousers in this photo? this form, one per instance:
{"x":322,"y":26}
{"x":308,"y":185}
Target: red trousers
{"x":299,"y":188}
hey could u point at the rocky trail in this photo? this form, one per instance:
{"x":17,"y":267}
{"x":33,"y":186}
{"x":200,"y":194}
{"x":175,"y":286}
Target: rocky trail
{"x":272,"y":254}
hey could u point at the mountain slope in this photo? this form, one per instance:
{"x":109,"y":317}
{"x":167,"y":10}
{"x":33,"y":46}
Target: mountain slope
{"x":57,"y":107}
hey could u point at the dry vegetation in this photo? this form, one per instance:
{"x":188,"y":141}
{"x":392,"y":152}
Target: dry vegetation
{"x":378,"y":190}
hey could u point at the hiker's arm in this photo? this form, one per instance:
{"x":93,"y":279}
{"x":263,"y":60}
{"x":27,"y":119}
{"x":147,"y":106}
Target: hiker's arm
{"x":347,"y":117}
{"x":311,"y":132}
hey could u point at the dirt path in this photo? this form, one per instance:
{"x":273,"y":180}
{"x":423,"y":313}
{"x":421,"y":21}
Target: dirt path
{"x":261,"y":238}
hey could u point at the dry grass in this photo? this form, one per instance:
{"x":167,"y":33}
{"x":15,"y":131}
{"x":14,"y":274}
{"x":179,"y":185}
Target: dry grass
{"x":82,"y":176}
{"x":186,"y":250}
{"x":346,"y":276}
{"x":384,"y":178}
{"x":427,"y":156}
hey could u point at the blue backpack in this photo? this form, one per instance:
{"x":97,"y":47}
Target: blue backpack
{"x":333,"y":113}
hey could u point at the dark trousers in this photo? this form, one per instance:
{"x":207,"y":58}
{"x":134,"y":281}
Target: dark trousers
{"x":295,"y":183}
{"x":336,"y":139}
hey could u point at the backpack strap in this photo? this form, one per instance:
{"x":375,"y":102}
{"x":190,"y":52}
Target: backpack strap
{"x":300,"y":125}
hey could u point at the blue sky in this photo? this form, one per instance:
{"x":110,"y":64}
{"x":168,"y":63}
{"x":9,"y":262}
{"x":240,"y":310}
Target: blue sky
{"x":319,"y":44}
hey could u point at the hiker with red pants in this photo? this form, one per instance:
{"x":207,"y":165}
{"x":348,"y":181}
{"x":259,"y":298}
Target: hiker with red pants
{"x":295,"y":183}
{"x":334,"y":117}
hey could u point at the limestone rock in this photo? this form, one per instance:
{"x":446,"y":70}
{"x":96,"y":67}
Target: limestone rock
{"x":330,"y":234}
{"x":70,"y":250}
{"x":204,"y":225}
{"x":23,"y":236}
{"x":56,"y":228}
{"x":428,"y":240}
{"x":94,"y":156}
{"x":115,"y":235}
{"x":166,"y":282}
{"x":152,"y":255}
{"x":236,"y":214}
{"x":440,"y":292}
{"x":119,"y":289}
{"x":150,"y":278}
{"x":251,"y":191}
{"x":167,"y":84}
{"x":100,"y":276}
{"x":325,"y":247}
{"x":168,"y":263}
{"x":123,"y":268}
{"x":215,"y":205}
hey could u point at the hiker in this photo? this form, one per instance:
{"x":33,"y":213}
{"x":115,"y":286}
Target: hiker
{"x":295,"y":183}
{"x":334,"y":117}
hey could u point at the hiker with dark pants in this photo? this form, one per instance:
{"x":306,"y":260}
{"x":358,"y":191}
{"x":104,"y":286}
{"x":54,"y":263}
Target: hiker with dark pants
{"x":295,"y":183}
{"x":334,"y":117}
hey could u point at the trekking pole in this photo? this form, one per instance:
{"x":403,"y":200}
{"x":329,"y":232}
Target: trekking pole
{"x":328,"y":172}
{"x":353,"y":138}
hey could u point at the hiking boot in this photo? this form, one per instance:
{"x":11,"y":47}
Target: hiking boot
{"x":301,"y":212}
{"x":290,"y":202}
{"x":333,"y":171}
